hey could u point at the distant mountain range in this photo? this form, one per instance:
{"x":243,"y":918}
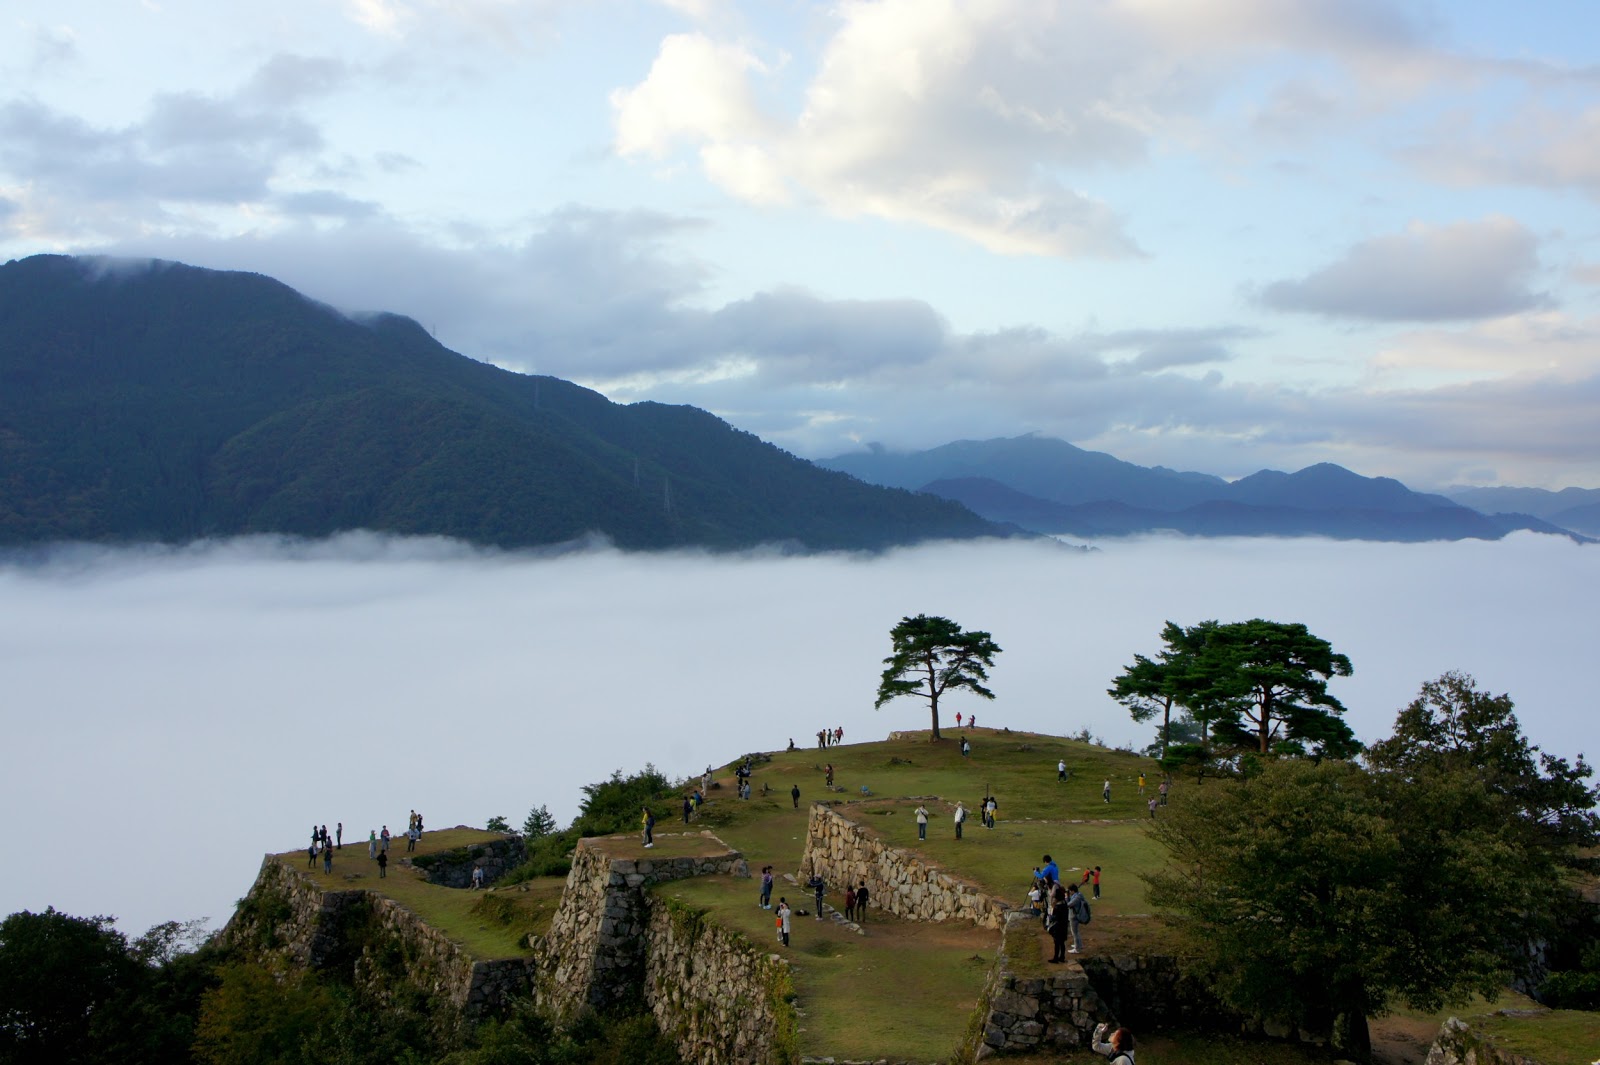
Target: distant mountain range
{"x":165,"y":402}
{"x":1051,"y":486}
{"x":1571,"y":508}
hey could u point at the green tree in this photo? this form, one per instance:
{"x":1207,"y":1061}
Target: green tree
{"x":539,"y":824}
{"x":939,"y":657}
{"x":1170,"y":681}
{"x":1266,"y":686}
{"x":59,"y":976}
{"x":1312,"y":896}
{"x":498,"y":823}
{"x":1453,"y":727}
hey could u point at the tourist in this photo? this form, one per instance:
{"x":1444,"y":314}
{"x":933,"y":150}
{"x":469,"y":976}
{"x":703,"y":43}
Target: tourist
{"x":966,"y":748}
{"x":372,"y":843}
{"x":326,"y":839}
{"x":1105,"y":789}
{"x":1141,"y":783}
{"x":989,"y":807}
{"x":850,"y":904}
{"x":972,"y":720}
{"x":383,"y":840}
{"x":1036,"y":898}
{"x":1077,"y":914}
{"x":794,"y":793}
{"x":311,"y":854}
{"x":766,"y":887}
{"x":1061,"y":770}
{"x":327,"y":858}
{"x":783,"y":920}
{"x":1056,"y":923}
{"x":383,"y":864}
{"x":828,"y":780}
{"x":960,"y":816}
{"x":1051,"y":871}
{"x":791,"y":743}
{"x":1092,"y":875}
{"x":922,"y":822}
{"x":958,"y":719}
{"x":862,"y":895}
{"x":477,"y":877}
{"x":1162,"y":789}
{"x":648,"y":820}
{"x":338,"y":836}
{"x":838,"y":734}
{"x":817,"y":885}
{"x":1119,"y":1048}
{"x":688,"y":808}
{"x":1152,"y":809}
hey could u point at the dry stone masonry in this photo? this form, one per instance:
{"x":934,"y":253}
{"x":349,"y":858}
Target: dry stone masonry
{"x":902,"y":884}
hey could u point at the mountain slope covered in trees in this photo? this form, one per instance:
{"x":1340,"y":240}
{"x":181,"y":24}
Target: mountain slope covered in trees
{"x":158,"y":401}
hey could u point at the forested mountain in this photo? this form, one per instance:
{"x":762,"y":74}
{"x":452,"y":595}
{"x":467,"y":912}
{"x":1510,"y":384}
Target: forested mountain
{"x":1051,"y":486}
{"x":1571,"y":508}
{"x":159,"y":401}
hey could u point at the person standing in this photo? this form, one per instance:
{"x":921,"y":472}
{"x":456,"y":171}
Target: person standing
{"x":1152,"y":809}
{"x":688,"y":808}
{"x":794,"y":793}
{"x":922,"y":822}
{"x":372,"y":843}
{"x":383,"y":864}
{"x":477,"y":877}
{"x":958,"y":719}
{"x":338,"y":836}
{"x":862,"y":895}
{"x":766,"y":888}
{"x":327,"y":858}
{"x":1055,"y":922}
{"x":311,"y":855}
{"x":828,"y":779}
{"x":783,"y":919}
{"x":849,"y":904}
{"x":1162,"y":789}
{"x":1096,"y":879}
{"x":383,"y":840}
{"x":1141,"y":783}
{"x":1061,"y":770}
{"x":1105,"y":790}
{"x":960,"y":816}
{"x":648,"y":821}
{"x":1077,"y":914}
{"x":1051,"y":871}
{"x":818,"y":886}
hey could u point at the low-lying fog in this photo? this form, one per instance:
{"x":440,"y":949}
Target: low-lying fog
{"x":172,"y":715}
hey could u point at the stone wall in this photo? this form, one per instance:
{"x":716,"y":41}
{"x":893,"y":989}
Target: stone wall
{"x":453,"y":869}
{"x":374,"y":941}
{"x":842,"y":852}
{"x":1022,"y":1010}
{"x":595,"y":953}
{"x":720,"y":999}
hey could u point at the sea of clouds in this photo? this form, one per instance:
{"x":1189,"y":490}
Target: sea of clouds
{"x":170,"y":715}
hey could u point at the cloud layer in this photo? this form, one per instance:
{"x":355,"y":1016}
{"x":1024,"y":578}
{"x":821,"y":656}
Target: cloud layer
{"x":227,"y":695}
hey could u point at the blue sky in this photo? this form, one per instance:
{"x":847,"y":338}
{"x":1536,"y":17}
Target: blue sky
{"x":1219,"y":236}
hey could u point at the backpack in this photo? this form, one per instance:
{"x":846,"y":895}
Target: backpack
{"x":1083,"y":909}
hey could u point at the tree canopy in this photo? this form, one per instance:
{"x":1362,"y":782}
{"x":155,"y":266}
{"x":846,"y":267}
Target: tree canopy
{"x":1172,"y":680}
{"x":1311,"y":899}
{"x":932,"y":656}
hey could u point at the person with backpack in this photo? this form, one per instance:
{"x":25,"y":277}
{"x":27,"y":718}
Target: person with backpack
{"x":1077,"y":916}
{"x":1119,"y":1048}
{"x":960,"y":817}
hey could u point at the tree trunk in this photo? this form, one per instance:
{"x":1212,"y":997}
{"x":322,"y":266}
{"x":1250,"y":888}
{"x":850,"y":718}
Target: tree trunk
{"x":1352,"y":1036}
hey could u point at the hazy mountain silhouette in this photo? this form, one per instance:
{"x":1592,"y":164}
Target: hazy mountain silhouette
{"x":157,"y":401}
{"x":1050,"y":486}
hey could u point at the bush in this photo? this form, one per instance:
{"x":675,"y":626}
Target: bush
{"x":1571,"y":991}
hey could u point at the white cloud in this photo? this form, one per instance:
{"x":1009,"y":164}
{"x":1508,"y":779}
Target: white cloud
{"x":147,"y":680}
{"x":1464,"y":270}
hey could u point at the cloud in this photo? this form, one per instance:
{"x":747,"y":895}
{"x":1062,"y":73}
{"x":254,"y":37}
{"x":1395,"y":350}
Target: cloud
{"x":119,"y":660}
{"x":1465,"y":270}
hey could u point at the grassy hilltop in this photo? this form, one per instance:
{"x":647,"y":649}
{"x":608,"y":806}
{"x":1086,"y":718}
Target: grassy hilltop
{"x":905,"y":990}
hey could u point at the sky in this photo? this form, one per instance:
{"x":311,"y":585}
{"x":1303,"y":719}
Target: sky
{"x":1220,"y":236}
{"x":172,"y":714}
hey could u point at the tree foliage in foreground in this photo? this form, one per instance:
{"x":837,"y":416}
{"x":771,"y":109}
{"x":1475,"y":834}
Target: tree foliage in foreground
{"x":1310,"y":899}
{"x":932,"y":656}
